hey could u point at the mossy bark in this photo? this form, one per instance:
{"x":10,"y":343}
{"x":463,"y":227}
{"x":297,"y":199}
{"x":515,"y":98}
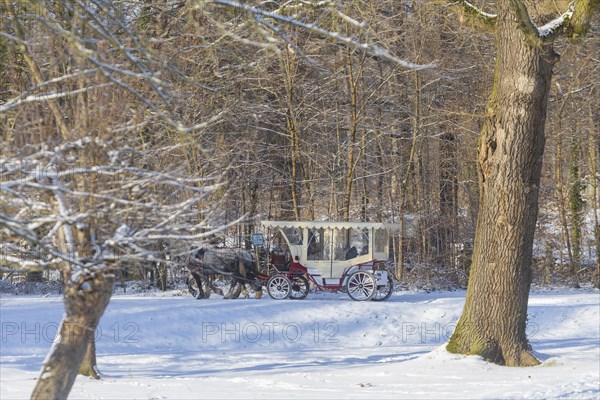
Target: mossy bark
{"x":493,"y":322}
{"x":88,"y":366}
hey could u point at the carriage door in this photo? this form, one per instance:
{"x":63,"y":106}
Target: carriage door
{"x":287,"y":243}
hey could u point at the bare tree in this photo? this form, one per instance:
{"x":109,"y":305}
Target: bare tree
{"x":130,"y":209}
{"x":94,"y":186}
{"x":84,"y":191}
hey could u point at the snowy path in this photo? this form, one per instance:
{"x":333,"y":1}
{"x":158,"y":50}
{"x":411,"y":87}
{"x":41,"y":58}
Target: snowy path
{"x":326,"y":346}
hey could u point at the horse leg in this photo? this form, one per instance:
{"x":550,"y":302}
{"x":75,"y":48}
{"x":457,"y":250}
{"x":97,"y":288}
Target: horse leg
{"x":198,"y":280}
{"x":245,"y":292}
{"x":244,"y":274}
{"x":207,"y":283}
{"x":234,"y":290}
{"x":216,"y":289}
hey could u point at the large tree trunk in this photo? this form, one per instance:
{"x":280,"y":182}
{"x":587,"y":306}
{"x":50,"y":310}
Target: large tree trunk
{"x":83,"y":239}
{"x":85,"y":300}
{"x":510,"y":157}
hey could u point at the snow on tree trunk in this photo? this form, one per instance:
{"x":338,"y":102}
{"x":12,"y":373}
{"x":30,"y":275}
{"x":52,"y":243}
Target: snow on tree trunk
{"x":86,"y":297}
{"x":493,"y":323}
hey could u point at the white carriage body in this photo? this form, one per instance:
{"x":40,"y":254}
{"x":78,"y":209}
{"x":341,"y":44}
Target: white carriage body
{"x":332,"y":250}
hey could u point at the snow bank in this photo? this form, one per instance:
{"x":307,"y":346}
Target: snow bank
{"x":324,"y":346}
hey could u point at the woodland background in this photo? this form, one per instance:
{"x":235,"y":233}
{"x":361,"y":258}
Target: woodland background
{"x":295,"y":126}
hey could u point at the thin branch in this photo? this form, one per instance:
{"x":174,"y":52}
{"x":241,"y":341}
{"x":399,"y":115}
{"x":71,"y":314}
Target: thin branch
{"x":17,"y":228}
{"x":16,"y":102}
{"x":550,"y":30}
{"x":282,"y":35}
{"x":476,"y":10}
{"x":370,"y":48}
{"x":14,"y":39}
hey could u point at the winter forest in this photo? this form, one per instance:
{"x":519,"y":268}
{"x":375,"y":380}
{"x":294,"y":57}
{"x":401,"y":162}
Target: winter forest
{"x":135,"y":132}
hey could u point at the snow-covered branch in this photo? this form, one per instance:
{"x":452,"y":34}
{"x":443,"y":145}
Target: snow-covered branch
{"x":16,"y":102}
{"x":555,"y":26}
{"x":114,"y":50}
{"x":548,"y":32}
{"x":475,"y":14}
{"x":534,"y":34}
{"x":49,"y":205}
{"x":478,"y":11}
{"x":370,"y":48}
{"x":38,"y":250}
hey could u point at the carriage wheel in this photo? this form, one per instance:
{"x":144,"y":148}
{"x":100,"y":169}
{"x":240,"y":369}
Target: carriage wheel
{"x":384,"y":292}
{"x":279,"y":287}
{"x":193,"y":287}
{"x":361,"y":285}
{"x":299,"y":287}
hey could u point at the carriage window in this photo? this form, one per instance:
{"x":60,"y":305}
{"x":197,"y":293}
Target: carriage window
{"x":381,"y":241}
{"x":318,"y":244}
{"x":351,"y":243}
{"x":328,"y":244}
{"x":278,"y":242}
{"x":280,"y":255}
{"x":294,"y":235}
{"x":315,"y":243}
{"x":361,"y":238}
{"x":341,"y":245}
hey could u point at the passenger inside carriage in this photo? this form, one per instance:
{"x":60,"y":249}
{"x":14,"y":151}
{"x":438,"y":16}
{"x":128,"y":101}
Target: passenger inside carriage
{"x":351,"y":253}
{"x":364,"y":250}
{"x":281,"y":258}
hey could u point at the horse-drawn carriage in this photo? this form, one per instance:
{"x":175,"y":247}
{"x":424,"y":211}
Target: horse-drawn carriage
{"x":352,"y":257}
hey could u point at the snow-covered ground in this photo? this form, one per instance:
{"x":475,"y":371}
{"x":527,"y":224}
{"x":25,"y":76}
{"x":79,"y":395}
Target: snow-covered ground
{"x":327,"y":346}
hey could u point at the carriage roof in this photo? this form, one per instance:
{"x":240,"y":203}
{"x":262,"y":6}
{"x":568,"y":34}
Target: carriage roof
{"x":329,"y":225}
